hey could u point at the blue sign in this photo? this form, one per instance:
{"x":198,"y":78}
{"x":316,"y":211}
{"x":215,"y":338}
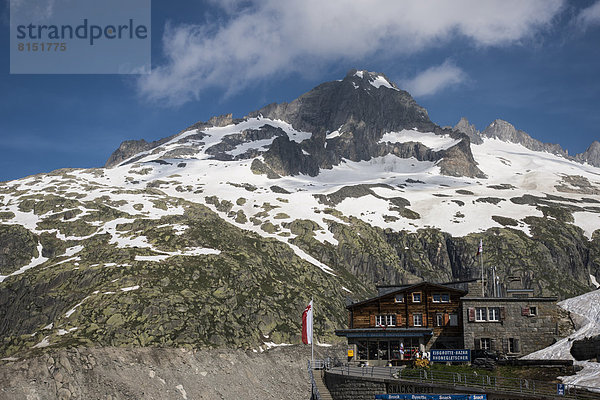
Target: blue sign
{"x":431,"y":396}
{"x":560,"y":389}
{"x":460,"y":355}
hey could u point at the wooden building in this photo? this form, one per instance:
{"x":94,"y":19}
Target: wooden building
{"x":396,"y":324}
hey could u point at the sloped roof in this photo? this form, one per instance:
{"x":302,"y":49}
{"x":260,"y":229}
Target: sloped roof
{"x":406,"y":289}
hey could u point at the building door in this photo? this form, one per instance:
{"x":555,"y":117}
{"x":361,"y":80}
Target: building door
{"x":395,"y":350}
{"x":373,"y":350}
{"x":384,"y":350}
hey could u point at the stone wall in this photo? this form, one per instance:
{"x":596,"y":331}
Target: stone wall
{"x":345,"y":388}
{"x":532,"y":332}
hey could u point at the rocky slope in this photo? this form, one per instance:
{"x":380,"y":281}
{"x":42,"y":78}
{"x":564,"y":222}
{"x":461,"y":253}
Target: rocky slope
{"x":217,"y":237}
{"x":156,"y":374}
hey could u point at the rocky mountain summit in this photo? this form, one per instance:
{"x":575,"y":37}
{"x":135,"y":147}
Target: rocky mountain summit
{"x":342,"y":120}
{"x":591,"y":155}
{"x":505,"y":131}
{"x":219,"y":235}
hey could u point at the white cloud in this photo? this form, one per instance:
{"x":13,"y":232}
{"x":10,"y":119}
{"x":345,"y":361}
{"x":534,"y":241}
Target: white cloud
{"x":272,"y":37}
{"x":435,"y":79}
{"x":589,"y":16}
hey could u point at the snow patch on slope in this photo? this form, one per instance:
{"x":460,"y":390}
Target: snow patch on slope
{"x":428,"y":139}
{"x":34,"y":263}
{"x":381,"y":81}
{"x":587,"y":306}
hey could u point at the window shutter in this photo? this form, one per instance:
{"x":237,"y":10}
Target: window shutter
{"x":505,"y":345}
{"x":502,"y":313}
{"x":492,"y":344}
{"x":372,"y":322}
{"x":517,"y":345}
{"x":471,"y":314}
{"x":477,"y":344}
{"x":446,"y":319}
{"x":525,"y":311}
{"x":398,"y":319}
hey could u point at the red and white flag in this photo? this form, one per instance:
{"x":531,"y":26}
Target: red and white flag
{"x":307,"y":324}
{"x":480,"y":249}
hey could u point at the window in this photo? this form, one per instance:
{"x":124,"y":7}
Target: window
{"x":399,"y":298}
{"x":418,"y":319}
{"x":362,"y":349}
{"x":390,"y":320}
{"x":439,"y":319}
{"x":532,"y":311}
{"x":441,"y":298}
{"x":494,"y":314}
{"x":453,"y":319}
{"x":385,"y":320}
{"x":513,"y":345}
{"x":416,"y":297}
{"x":480,"y":314}
{"x":485,"y":344}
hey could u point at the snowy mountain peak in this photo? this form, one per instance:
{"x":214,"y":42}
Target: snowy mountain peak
{"x":505,"y":131}
{"x":370,"y":80}
{"x":331,"y":124}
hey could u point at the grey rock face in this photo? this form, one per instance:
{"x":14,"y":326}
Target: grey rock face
{"x":591,"y":155}
{"x":230,"y":142}
{"x":17,"y":247}
{"x":505,"y":131}
{"x":129,"y":148}
{"x":354,"y":99}
{"x":468,"y":129}
{"x":362,"y":108}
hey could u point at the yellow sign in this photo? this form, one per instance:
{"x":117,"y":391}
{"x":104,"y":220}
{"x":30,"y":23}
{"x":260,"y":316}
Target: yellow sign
{"x":350,"y":353}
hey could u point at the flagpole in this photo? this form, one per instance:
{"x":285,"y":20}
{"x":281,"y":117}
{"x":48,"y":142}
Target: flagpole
{"x":312,"y":346}
{"x":481,"y":259}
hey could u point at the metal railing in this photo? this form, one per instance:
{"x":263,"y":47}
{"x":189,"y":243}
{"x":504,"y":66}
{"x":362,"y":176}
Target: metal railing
{"x":476,"y":381}
{"x":315,"y":364}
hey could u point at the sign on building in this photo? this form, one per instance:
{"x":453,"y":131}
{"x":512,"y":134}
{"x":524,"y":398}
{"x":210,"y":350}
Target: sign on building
{"x":560,"y":389}
{"x":459,"y":355}
{"x":431,"y":396}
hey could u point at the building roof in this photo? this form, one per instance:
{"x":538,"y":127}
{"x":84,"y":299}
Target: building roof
{"x":405,"y":289}
{"x":509,"y":299}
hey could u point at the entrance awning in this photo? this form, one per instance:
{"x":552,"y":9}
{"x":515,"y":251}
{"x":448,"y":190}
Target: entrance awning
{"x":384,"y":333}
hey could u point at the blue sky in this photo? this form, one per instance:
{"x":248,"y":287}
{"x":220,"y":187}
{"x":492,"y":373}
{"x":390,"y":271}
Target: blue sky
{"x":535,"y":64}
